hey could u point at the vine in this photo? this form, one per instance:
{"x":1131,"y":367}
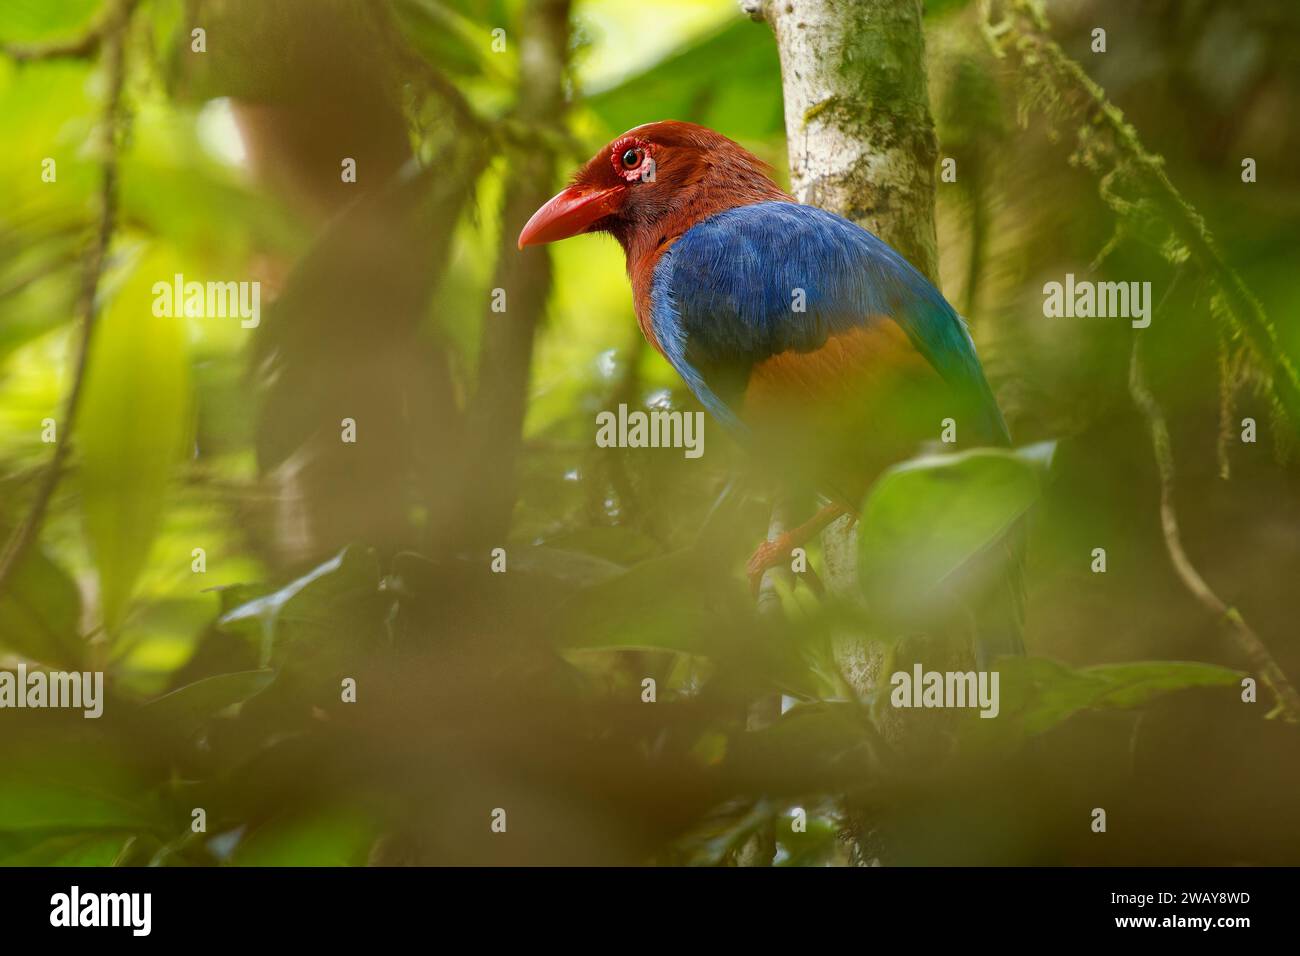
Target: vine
{"x":1132,"y":182}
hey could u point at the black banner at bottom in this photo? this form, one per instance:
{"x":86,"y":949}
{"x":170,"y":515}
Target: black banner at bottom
{"x":331,"y":905}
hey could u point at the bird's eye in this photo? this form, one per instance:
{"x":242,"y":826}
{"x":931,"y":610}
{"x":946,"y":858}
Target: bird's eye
{"x":632,"y":158}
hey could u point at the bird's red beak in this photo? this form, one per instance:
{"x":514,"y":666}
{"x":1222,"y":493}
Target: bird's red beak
{"x":570,"y":213}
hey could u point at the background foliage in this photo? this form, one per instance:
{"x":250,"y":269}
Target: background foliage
{"x":523,"y":690}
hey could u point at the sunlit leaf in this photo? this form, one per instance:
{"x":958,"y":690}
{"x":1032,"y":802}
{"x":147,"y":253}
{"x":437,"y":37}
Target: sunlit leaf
{"x":134,"y":419}
{"x":730,"y":81}
{"x":33,"y":20}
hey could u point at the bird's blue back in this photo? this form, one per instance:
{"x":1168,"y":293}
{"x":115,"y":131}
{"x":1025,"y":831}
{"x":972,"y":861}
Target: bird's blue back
{"x":724,"y":298}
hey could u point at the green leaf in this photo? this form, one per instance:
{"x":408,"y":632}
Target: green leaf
{"x":454,"y":41}
{"x":662,"y":604}
{"x":40,"y":20}
{"x":70,"y":849}
{"x":730,"y":81}
{"x":40,"y":613}
{"x":929,"y":523}
{"x":186,"y":709}
{"x":816,"y":746}
{"x":338,"y":597}
{"x":1037,"y":694}
{"x":132,"y":430}
{"x":27,"y":804}
{"x":329,"y":837}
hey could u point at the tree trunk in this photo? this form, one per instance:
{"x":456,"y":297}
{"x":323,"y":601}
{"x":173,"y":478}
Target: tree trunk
{"x":862,"y":144}
{"x":857,"y":115}
{"x":497,"y":415}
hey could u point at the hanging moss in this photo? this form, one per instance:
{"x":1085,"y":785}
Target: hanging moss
{"x":1133,"y":184}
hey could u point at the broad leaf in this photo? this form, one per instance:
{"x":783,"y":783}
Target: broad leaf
{"x":929,"y":526}
{"x":185,"y":709}
{"x":1037,"y":694}
{"x":40,"y":613}
{"x":134,"y":419}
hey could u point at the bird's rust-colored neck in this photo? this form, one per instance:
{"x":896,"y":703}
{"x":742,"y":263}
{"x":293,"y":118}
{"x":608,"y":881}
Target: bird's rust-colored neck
{"x":725,"y":181}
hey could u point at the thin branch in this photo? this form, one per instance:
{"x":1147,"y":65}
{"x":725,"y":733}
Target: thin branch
{"x":521,"y":129}
{"x":495,"y":414}
{"x":113,"y":42}
{"x":1288,"y":701}
{"x":78,"y":48}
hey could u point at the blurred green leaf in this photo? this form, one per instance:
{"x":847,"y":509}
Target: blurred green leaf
{"x":730,"y":81}
{"x":660,"y":604}
{"x":133,"y":425}
{"x":450,"y":39}
{"x":817,"y":845}
{"x":30,"y":20}
{"x":938,"y":8}
{"x":926,"y":521}
{"x":68,"y":849}
{"x":337,"y":598}
{"x":812,"y":747}
{"x":186,"y":709}
{"x":1037,"y":694}
{"x":332,"y":837}
{"x":40,"y":613}
{"x":46,"y":112}
{"x":351,"y":571}
{"x":29,"y":804}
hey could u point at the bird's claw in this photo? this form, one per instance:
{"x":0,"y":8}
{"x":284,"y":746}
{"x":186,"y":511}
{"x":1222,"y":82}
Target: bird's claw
{"x":771,"y":554}
{"x":767,"y":556}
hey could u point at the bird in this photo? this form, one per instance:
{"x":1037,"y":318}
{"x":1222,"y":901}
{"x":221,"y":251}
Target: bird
{"x":815,"y":344}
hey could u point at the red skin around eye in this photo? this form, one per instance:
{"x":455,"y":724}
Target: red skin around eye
{"x":616,"y":157}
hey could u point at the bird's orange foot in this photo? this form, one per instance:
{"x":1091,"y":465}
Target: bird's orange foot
{"x":772,"y":553}
{"x":768,"y":555}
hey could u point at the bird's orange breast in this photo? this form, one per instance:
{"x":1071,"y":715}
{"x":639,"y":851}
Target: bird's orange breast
{"x":843,"y":412}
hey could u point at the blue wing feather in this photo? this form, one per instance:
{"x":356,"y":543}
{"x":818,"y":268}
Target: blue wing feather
{"x":723,"y":295}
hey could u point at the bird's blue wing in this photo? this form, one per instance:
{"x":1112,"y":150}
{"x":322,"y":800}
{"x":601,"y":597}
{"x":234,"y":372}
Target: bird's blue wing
{"x":728,"y":293}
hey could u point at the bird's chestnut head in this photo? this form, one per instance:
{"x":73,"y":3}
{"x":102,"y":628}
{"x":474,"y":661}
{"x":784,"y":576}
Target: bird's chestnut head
{"x":657,"y":177}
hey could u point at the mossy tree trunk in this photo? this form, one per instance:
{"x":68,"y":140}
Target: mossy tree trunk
{"x":857,"y":115}
{"x":862,"y":144}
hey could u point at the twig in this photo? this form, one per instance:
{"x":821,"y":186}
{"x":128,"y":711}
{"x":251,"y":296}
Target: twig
{"x":1288,"y":701}
{"x":495,"y":414}
{"x":520,"y":129}
{"x":113,"y":42}
{"x":78,"y":48}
